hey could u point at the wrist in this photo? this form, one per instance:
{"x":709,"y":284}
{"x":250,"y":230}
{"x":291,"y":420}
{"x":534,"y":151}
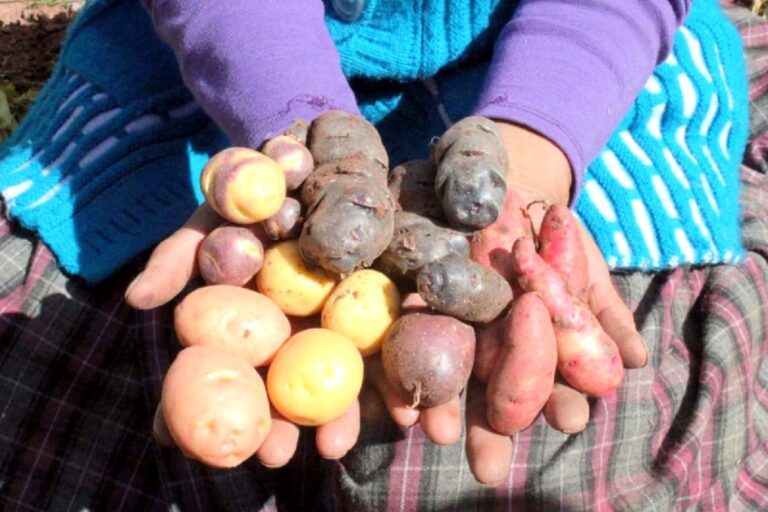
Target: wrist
{"x":538,"y":169}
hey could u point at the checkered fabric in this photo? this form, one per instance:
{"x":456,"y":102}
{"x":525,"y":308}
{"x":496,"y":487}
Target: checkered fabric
{"x":80,"y":374}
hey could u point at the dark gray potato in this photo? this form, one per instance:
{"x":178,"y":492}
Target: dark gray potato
{"x":428,"y":357}
{"x":416,"y":242}
{"x":286,"y":223}
{"x":471,"y":173}
{"x":327,"y":173}
{"x":337,"y":135}
{"x":458,"y":286}
{"x":412,"y":186}
{"x":349,"y":225}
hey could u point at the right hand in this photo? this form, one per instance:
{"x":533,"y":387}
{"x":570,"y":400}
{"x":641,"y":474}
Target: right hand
{"x":170,"y":267}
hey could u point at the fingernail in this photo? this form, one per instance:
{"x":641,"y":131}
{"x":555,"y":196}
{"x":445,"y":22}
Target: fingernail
{"x":133,"y":283}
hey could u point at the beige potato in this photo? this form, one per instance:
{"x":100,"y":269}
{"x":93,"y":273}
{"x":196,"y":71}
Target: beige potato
{"x":215,"y":406}
{"x":362,"y":307}
{"x":315,"y":377}
{"x":237,"y":320}
{"x":243,"y":185}
{"x":297,"y":288}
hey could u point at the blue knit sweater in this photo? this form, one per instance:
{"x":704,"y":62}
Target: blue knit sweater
{"x":107,"y":162}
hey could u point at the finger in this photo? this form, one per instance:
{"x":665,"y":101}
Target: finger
{"x":336,"y":438}
{"x":566,"y":410}
{"x":160,"y":429}
{"x":399,"y":408}
{"x":611,"y":311}
{"x":280,"y":444}
{"x":488,"y":452}
{"x":173,"y":262}
{"x":442,"y":423}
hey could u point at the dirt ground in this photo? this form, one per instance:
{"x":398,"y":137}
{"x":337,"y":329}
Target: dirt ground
{"x":30,"y":38}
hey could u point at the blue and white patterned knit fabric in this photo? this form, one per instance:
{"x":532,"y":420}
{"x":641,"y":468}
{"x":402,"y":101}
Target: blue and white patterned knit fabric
{"x":107,"y":162}
{"x":664,"y":191}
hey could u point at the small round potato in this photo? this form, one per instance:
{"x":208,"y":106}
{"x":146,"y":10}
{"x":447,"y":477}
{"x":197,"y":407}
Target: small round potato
{"x":237,"y":320}
{"x":315,"y":377}
{"x":215,"y":406}
{"x":294,"y":158}
{"x":299,"y":290}
{"x":243,"y":185}
{"x":362,"y":307}
{"x":230,"y":255}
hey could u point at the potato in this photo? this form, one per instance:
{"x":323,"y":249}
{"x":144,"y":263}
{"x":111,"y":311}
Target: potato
{"x":237,"y":320}
{"x":412,"y":185}
{"x":457,"y":286}
{"x":349,"y":225}
{"x":428,"y":357}
{"x":315,"y":377}
{"x":215,"y":406}
{"x":416,"y":242}
{"x":230,"y":255}
{"x":328,"y":173}
{"x":286,"y":223}
{"x":294,"y":158}
{"x":524,"y":374}
{"x":471,"y":173}
{"x":297,"y":288}
{"x":362,"y":307}
{"x":243,"y":185}
{"x":336,"y":135}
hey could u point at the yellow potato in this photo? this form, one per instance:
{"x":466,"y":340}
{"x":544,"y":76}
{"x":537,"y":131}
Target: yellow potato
{"x":240,"y":321}
{"x":243,"y":185}
{"x":298,"y":289}
{"x":315,"y":377}
{"x":362,"y":307}
{"x":215,"y":406}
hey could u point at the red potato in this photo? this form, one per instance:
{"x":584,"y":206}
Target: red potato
{"x":524,"y":375}
{"x":215,"y":406}
{"x":428,"y":357}
{"x":492,"y":246}
{"x":230,"y":255}
{"x":293,"y":157}
{"x":588,"y":359}
{"x":237,"y":320}
{"x":561,"y":246}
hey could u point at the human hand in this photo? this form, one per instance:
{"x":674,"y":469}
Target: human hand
{"x":540,"y":174}
{"x":169,"y":269}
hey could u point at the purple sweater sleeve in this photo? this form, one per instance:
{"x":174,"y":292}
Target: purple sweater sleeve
{"x":254,"y":76}
{"x":570,"y":70}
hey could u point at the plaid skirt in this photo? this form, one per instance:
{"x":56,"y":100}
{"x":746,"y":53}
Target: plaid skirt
{"x":81,"y":373}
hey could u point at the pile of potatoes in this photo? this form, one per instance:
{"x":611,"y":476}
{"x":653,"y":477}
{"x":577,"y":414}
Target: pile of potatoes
{"x":305,"y":276}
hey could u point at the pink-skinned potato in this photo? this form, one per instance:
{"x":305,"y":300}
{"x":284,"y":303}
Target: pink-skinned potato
{"x":588,"y":359}
{"x":237,"y":320}
{"x":292,"y":156}
{"x":522,"y":379}
{"x":286,"y":223}
{"x":215,"y":406}
{"x":230,"y":254}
